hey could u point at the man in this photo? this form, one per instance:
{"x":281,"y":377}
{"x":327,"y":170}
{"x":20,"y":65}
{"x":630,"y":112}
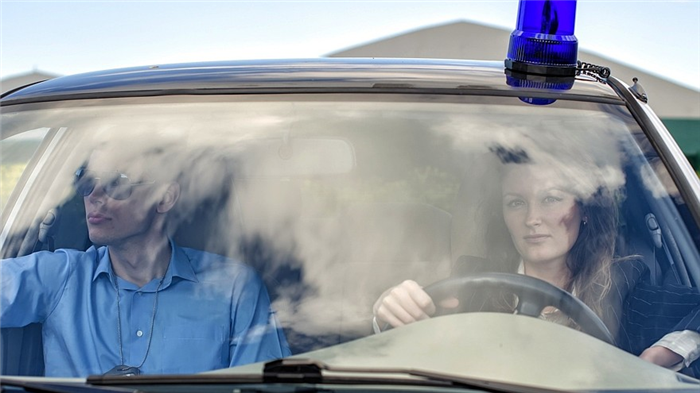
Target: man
{"x":138,"y":303}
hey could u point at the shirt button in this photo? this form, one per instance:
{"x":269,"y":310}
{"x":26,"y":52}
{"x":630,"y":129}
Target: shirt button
{"x":139,"y":333}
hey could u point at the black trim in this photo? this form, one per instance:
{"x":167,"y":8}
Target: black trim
{"x":379,"y":89}
{"x":18,"y":88}
{"x":541,"y":69}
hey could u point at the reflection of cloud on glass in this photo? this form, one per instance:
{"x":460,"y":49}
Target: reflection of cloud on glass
{"x":342,"y":261}
{"x":657,"y":180}
{"x":349,"y":263}
{"x":334,"y":202}
{"x":583,"y":146}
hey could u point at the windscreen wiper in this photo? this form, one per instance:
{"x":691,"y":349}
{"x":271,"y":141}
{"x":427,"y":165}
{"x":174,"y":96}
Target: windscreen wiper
{"x":18,"y":385}
{"x":310,"y":372}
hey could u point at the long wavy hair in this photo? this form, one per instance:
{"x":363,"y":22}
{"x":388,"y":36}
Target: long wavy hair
{"x":590,"y":259}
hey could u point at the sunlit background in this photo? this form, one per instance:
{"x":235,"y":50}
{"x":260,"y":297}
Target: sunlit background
{"x":330,"y":220}
{"x":656,"y":41}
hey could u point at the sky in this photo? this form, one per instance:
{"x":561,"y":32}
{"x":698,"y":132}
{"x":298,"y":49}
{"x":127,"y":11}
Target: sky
{"x":68,"y":37}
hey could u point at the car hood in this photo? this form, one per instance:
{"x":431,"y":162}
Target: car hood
{"x":500,"y":348}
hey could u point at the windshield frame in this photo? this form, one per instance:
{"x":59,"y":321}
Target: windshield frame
{"x":394,"y":94}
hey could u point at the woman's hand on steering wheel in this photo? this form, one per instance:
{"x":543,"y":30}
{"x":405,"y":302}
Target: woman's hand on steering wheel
{"x":407,"y":303}
{"x":533,"y":296}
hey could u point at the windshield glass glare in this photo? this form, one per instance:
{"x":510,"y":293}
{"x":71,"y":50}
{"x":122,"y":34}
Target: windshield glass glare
{"x":333,"y":202}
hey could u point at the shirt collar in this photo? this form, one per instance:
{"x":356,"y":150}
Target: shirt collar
{"x":179,"y":266}
{"x":103,"y":264}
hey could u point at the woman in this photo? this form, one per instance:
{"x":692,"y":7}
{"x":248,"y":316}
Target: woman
{"x":553,"y":233}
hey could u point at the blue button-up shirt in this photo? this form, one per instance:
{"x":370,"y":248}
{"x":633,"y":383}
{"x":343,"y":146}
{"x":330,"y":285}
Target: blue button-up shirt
{"x":212,"y":313}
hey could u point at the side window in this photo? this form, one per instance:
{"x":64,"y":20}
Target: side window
{"x":15,"y":153}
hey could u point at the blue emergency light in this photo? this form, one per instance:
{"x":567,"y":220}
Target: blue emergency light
{"x":543,"y":50}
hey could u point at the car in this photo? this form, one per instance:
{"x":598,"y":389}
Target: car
{"x":338,"y":179}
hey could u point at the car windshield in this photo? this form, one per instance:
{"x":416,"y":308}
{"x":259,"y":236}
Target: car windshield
{"x":333,"y":200}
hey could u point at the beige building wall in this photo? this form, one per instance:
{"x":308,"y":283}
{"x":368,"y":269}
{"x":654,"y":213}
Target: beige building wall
{"x":464,"y":40}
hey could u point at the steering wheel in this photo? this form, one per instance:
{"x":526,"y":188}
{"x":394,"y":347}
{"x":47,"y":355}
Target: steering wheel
{"x":533,"y":296}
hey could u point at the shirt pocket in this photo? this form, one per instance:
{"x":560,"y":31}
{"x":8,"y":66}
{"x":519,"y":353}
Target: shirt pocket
{"x":194,"y":348}
{"x":199,"y":331}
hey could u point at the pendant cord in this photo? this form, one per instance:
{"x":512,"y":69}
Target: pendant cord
{"x":119,"y":322}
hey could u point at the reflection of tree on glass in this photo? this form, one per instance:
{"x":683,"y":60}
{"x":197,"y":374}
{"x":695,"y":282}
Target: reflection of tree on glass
{"x":547,"y":229}
{"x":139,"y":303}
{"x":15,"y":153}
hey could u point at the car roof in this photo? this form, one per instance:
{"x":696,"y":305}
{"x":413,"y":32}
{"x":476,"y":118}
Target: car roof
{"x":323,"y":75}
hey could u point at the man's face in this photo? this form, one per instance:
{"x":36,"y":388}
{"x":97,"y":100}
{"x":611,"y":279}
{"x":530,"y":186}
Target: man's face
{"x":119,"y":208}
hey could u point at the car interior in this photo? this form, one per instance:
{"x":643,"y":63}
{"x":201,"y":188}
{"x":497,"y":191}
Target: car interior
{"x":265,"y":200}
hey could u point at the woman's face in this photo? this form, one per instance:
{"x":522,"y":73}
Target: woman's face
{"x":542,"y":217}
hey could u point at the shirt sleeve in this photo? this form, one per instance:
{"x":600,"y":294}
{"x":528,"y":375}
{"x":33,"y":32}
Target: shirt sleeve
{"x":685,"y":343}
{"x":31,"y":286}
{"x":257,"y":333}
